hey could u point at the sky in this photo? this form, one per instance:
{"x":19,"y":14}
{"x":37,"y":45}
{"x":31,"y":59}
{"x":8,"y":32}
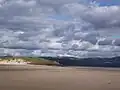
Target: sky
{"x":108,"y":2}
{"x":77,"y":28}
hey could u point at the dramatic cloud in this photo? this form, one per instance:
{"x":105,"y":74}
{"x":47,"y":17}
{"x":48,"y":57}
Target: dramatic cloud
{"x":59,"y":28}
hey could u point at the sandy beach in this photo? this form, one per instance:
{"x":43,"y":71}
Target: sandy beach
{"x":30,"y":77}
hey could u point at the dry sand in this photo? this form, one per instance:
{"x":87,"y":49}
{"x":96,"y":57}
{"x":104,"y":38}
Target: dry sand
{"x":58,"y":78}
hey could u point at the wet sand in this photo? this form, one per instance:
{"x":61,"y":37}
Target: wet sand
{"x":27,"y":77}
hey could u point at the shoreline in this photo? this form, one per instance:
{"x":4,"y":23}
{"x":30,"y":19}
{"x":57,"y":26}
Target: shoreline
{"x":20,"y":67}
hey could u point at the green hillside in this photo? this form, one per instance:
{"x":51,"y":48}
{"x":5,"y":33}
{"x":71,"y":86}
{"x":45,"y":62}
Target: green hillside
{"x":29,"y":60}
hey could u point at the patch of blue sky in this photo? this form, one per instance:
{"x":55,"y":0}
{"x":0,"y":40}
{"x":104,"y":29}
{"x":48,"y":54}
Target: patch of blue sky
{"x":103,"y":2}
{"x":108,"y":2}
{"x":116,"y":37}
{"x":113,"y":37}
{"x":61,"y":17}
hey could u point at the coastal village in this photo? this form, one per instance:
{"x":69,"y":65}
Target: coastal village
{"x":13,"y":61}
{"x":27,"y":60}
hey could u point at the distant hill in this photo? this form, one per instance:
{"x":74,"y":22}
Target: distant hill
{"x":66,"y":61}
{"x":94,"y":62}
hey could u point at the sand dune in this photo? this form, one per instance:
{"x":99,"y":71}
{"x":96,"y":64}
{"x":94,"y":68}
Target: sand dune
{"x":32,"y":77}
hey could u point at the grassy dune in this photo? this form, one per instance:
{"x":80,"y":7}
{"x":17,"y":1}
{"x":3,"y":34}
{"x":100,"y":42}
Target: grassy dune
{"x":28,"y":60}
